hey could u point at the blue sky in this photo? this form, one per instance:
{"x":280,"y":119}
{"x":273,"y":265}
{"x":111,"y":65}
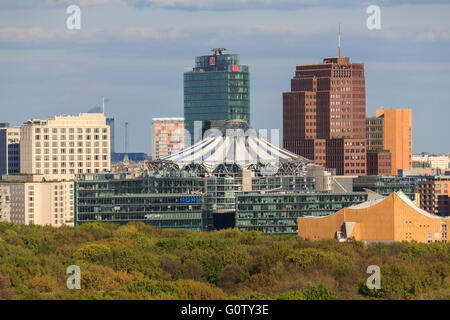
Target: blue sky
{"x":134,"y":53}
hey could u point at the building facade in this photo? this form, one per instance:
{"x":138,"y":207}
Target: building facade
{"x":9,"y":149}
{"x":434,"y":196}
{"x":32,"y":200}
{"x":397,"y":136}
{"x":426,"y":160}
{"x":324,"y":115}
{"x":215,"y":90}
{"x":63,"y":146}
{"x":375,"y":133}
{"x":388,"y":184}
{"x":379,"y":163}
{"x":5,"y":203}
{"x":278,"y":212}
{"x":112,"y":131}
{"x":167,"y":136}
{"x":171,"y":201}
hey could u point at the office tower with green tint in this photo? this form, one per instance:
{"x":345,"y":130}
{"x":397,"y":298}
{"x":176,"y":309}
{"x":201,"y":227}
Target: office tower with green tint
{"x":215,"y":90}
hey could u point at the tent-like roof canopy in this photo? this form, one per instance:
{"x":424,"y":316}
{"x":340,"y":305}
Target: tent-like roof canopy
{"x":234,"y":143}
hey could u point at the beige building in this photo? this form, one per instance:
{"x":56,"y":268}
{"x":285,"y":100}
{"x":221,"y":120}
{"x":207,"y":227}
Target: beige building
{"x":167,"y":136}
{"x":30,"y":199}
{"x":63,"y":146}
{"x":386,"y":219}
{"x":397,"y":136}
{"x":5,"y":203}
{"x":431,"y":161}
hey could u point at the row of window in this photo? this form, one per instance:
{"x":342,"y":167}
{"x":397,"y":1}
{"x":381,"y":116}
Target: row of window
{"x":71,"y":130}
{"x":64,"y":171}
{"x":71,"y":151}
{"x":72,"y":137}
{"x":71,"y":158}
{"x":71,"y":144}
{"x":71,"y":164}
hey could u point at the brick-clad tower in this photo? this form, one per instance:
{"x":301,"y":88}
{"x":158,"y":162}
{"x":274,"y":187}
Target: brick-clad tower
{"x":324,"y":115}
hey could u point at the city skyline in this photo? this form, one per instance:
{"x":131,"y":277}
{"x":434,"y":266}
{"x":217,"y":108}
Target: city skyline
{"x":49,"y":70}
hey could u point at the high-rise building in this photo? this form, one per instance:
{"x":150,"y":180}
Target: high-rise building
{"x":324,"y":115}
{"x":167,"y":136}
{"x":63,"y":146}
{"x":397,"y":136}
{"x":9,"y":149}
{"x":30,"y":199}
{"x":215,"y":90}
{"x":110,"y":123}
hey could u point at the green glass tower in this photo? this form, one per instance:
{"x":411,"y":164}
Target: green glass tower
{"x":215,"y":90}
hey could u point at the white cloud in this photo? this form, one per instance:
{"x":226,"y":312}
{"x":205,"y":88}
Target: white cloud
{"x":40,"y":37}
{"x":37,"y":36}
{"x":218,"y":4}
{"x":431,"y":34}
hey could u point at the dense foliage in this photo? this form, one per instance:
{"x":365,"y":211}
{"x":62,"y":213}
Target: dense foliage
{"x":137,"y":261}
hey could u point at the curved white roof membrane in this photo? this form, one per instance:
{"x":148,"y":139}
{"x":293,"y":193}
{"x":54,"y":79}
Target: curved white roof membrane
{"x":234,"y":143}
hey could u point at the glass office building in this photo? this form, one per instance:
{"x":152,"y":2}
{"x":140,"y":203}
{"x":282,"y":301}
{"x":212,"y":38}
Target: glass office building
{"x":110,"y":123}
{"x":164,"y":202}
{"x":186,"y":200}
{"x":387,"y":185}
{"x":277,"y":212}
{"x":215,"y":90}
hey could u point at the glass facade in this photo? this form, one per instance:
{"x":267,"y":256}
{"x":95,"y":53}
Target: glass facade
{"x":160,"y":210}
{"x":277,"y":213}
{"x":387,"y":185}
{"x":162,"y":202}
{"x":180,"y":199}
{"x":217,"y":89}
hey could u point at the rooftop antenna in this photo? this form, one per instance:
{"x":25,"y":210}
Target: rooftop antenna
{"x":125,"y":158}
{"x":339,"y":39}
{"x":103,"y":104}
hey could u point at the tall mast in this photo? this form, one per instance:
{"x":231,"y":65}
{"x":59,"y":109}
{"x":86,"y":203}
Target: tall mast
{"x":339,"y":39}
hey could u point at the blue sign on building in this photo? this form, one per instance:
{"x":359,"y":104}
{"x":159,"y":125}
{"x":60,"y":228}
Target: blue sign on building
{"x":190,"y":200}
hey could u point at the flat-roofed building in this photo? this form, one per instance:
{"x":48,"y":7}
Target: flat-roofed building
{"x":5,"y":203}
{"x":434,"y":195}
{"x":324,"y":115}
{"x":9,"y":149}
{"x":63,"y":146}
{"x":277,"y":212}
{"x":387,"y":219}
{"x":397,"y":136}
{"x":431,"y":161}
{"x":33,"y":200}
{"x":167,"y":136}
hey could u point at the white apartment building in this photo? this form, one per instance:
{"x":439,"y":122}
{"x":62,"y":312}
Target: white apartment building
{"x":435,"y":161}
{"x":30,"y":199}
{"x":63,"y":146}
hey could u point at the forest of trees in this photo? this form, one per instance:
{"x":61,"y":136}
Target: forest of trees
{"x":137,"y":261}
